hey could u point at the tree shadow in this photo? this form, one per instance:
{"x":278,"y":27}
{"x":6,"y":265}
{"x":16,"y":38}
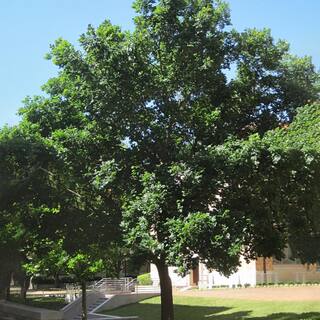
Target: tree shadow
{"x":146,"y":311}
{"x":149,"y":311}
{"x":290,"y":316}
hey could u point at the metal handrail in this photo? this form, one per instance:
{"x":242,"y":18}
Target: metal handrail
{"x":113,"y":285}
{"x":98,"y":283}
{"x":105,"y":286}
{"x":130,"y":284}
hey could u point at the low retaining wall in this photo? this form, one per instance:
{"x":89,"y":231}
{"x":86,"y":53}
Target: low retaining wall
{"x":21,"y":311}
{"x":74,"y":308}
{"x":125,"y":299}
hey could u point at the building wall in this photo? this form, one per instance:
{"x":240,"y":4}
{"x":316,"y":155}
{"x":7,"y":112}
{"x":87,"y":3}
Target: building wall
{"x":249,"y":273}
{"x":290,"y":273}
{"x":246,"y":274}
{"x":177,"y":281}
{"x":286,"y":270}
{"x":260,"y":263}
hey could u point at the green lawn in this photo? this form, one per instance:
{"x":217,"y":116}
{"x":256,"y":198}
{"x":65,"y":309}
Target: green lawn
{"x":54,"y":303}
{"x":194,"y":308}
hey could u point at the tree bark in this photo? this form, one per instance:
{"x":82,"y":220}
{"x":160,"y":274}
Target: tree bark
{"x":25,"y":283}
{"x":5,"y":279}
{"x":166,"y":292}
{"x":56,"y":280}
{"x":8,"y":292}
{"x":84,"y":300}
{"x":265,"y":270}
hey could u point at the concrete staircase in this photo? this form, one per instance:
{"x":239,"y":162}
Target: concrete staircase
{"x":108,"y":294}
{"x":95,"y":304}
{"x":74,"y":309}
{"x":73,"y":312}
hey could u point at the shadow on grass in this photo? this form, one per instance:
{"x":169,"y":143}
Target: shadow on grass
{"x":289,"y":316}
{"x":52,"y":303}
{"x":147,"y":311}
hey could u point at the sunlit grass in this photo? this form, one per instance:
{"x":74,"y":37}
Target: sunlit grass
{"x":196,"y":308}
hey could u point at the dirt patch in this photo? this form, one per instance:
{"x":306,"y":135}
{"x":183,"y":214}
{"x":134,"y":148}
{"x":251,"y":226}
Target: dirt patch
{"x":303,"y":293}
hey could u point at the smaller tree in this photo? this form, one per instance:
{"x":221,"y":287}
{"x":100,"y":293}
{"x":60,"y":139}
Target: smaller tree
{"x":89,"y":214}
{"x":25,"y":198}
{"x":49,"y":259}
{"x":84,"y":265}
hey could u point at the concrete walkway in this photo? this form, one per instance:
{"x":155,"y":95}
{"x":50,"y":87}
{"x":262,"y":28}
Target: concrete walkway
{"x":290,"y":293}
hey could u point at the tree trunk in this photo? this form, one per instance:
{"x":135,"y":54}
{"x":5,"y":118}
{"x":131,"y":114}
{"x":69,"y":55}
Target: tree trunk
{"x":84,"y":300}
{"x":8,"y":292}
{"x":56,"y":280}
{"x":119,"y":268}
{"x":3,"y":293}
{"x":166,"y":292}
{"x":264,"y":271}
{"x":5,"y":279}
{"x":25,"y":283}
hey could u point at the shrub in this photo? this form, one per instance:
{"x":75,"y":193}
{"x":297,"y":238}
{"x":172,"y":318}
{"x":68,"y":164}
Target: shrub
{"x":145,"y":279}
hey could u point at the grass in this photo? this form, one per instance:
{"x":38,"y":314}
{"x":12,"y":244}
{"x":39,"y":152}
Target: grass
{"x":52,"y":303}
{"x":196,"y":308}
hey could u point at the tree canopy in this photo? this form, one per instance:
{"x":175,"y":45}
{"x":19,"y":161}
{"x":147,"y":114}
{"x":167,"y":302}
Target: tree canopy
{"x":187,"y":131}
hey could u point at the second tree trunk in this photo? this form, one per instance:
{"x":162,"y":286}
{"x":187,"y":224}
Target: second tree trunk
{"x":166,"y":292}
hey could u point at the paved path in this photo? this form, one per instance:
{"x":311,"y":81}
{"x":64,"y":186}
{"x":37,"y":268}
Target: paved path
{"x":303,"y":293}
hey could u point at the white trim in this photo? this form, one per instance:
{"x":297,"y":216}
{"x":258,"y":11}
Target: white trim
{"x":67,"y":307}
{"x":112,"y":317}
{"x":100,"y":305}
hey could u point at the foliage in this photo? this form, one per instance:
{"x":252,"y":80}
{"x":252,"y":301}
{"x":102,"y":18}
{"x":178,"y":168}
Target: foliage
{"x":51,"y":259}
{"x":301,"y":140}
{"x":152,"y":127}
{"x":144,"y":279}
{"x":27,"y":201}
{"x":84,"y":266}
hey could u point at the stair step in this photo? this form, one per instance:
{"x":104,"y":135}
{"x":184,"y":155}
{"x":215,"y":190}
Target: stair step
{"x":90,"y":307}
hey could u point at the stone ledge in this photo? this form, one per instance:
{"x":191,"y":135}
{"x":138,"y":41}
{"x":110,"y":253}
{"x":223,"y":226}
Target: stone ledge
{"x":29,"y":313}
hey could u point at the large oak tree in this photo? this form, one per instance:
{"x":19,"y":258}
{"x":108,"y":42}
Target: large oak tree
{"x":172,"y":115}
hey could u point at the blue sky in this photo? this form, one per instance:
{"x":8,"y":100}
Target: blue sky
{"x":27,"y":27}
